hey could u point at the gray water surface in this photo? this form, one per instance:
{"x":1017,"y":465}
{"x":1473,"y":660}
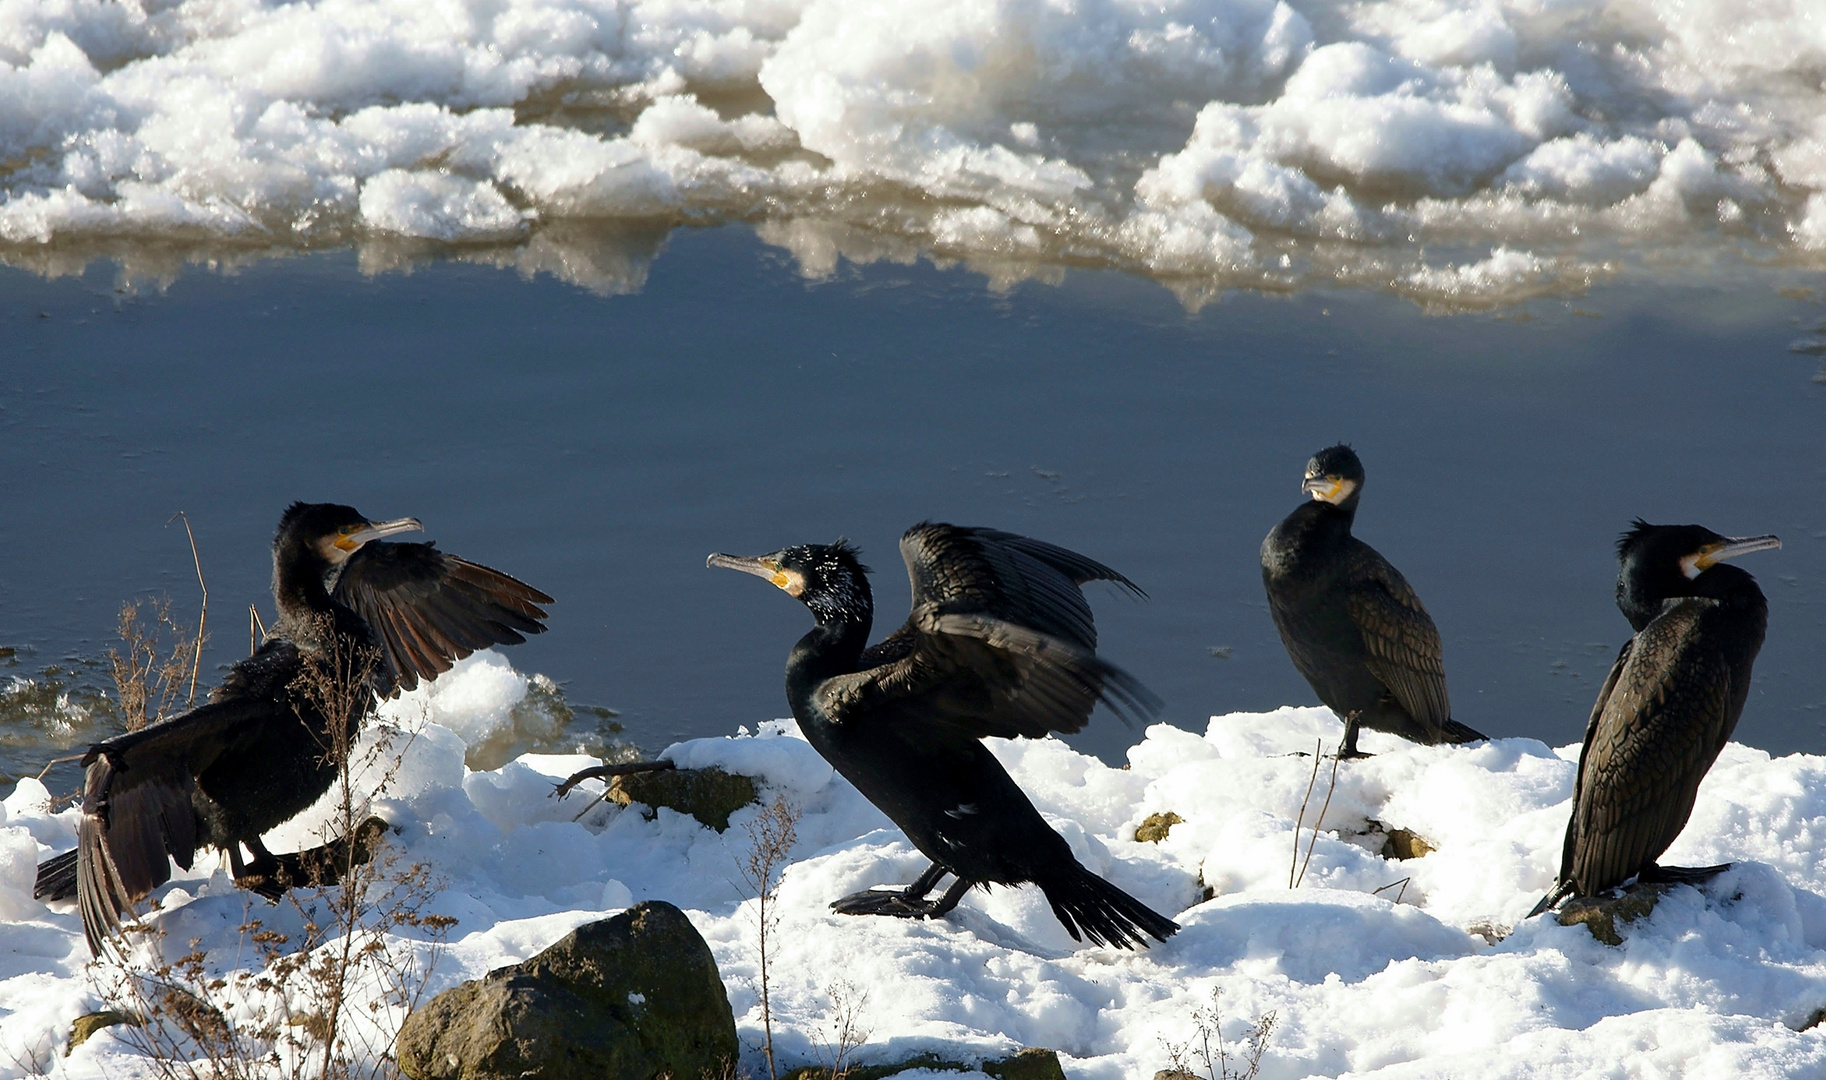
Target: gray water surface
{"x":599,"y":446}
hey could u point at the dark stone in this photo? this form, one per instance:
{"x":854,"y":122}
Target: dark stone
{"x":709,"y":795}
{"x":1600,"y":915}
{"x":1032,"y":1063}
{"x":634,"y":997}
{"x":1155,"y":828}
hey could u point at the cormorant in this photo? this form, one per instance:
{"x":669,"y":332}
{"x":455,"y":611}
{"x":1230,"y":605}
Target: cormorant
{"x":1668,"y":707}
{"x":258,"y":753}
{"x":1000,"y":642}
{"x":1351,"y":623}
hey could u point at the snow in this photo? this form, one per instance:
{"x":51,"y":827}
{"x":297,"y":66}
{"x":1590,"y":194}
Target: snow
{"x":1239,"y":139}
{"x":1364,"y":979}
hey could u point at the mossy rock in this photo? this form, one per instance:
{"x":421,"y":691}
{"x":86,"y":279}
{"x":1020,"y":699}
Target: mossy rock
{"x":1033,"y":1063}
{"x":634,"y":997}
{"x":88,"y":1024}
{"x":709,"y":795}
{"x":1155,"y":828}
{"x":1601,"y":915}
{"x":1407,"y":844}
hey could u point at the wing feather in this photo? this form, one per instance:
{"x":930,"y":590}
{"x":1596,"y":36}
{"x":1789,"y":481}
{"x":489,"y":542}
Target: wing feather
{"x":428,"y":609}
{"x":1000,"y":642}
{"x":1403,"y":643}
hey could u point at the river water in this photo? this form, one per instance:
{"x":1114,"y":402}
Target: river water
{"x":708,"y":392}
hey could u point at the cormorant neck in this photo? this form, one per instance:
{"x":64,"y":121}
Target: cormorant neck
{"x":299,"y":592}
{"x":1319,"y":516}
{"x":831,"y":648}
{"x":1641,"y":592}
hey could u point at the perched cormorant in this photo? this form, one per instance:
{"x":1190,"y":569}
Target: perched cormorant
{"x":1350,"y":621}
{"x":1668,"y":707}
{"x":258,"y":753}
{"x":1000,"y":642}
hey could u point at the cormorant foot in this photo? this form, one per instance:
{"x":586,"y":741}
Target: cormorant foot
{"x":1352,"y":754}
{"x":271,"y":885}
{"x":1681,"y":875}
{"x":893,"y":902}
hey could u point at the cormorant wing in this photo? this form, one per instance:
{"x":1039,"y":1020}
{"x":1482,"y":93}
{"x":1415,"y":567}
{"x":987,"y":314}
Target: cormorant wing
{"x":1000,"y":641}
{"x":1649,"y":749}
{"x":428,"y":609}
{"x":1403,"y":643}
{"x":137,"y":808}
{"x":1578,"y":782}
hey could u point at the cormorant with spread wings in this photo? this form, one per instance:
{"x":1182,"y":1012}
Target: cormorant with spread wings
{"x":258,"y":753}
{"x":1669,"y":706}
{"x":1000,"y":642}
{"x":1351,"y":623}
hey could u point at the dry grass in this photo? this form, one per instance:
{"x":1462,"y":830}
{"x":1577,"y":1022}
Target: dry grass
{"x":771,"y":836}
{"x":1206,"y":1047}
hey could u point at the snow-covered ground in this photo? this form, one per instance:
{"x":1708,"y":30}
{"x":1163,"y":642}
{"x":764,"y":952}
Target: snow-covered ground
{"x":1362,"y":982}
{"x":1267,"y":140}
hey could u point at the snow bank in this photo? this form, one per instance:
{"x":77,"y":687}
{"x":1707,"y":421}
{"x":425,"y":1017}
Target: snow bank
{"x":1247,"y":139}
{"x":1364,"y":979}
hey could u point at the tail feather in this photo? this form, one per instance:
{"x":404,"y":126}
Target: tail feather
{"x":1455,"y":732}
{"x":56,"y":877}
{"x":1090,"y":907}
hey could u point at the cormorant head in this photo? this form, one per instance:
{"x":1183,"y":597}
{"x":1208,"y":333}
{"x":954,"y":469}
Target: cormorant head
{"x":1334,"y":475}
{"x":1657,"y":562}
{"x":331,"y":531}
{"x":828,"y":578}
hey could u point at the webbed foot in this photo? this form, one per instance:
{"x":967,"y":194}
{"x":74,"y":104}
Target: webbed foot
{"x":894,"y":902}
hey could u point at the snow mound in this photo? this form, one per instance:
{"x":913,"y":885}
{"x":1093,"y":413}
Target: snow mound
{"x":1373,"y":966}
{"x":1245,"y":140}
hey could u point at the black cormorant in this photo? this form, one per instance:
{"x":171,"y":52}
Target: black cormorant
{"x":1350,"y":621}
{"x":258,"y":754}
{"x":1000,"y":642}
{"x":1668,"y":707}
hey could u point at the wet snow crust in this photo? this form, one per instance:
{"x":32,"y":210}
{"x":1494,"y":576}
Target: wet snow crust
{"x":1363,"y":980}
{"x":1533,"y":142}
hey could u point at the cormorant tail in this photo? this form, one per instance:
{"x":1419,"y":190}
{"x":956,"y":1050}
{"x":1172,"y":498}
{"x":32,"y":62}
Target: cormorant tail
{"x":1455,"y":732}
{"x":1107,"y":915}
{"x":56,"y":877}
{"x":1561,"y":891}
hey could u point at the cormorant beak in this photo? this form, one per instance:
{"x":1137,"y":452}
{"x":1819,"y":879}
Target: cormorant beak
{"x":1331,"y":489}
{"x":1713,"y":554}
{"x":375,"y":530}
{"x":764,"y":566}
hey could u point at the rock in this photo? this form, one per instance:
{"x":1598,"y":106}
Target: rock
{"x":634,"y":997}
{"x":709,"y":795}
{"x":88,"y":1024}
{"x":1032,"y":1063}
{"x":1155,"y":828}
{"x":1601,"y":914}
{"x":1176,"y":1074}
{"x":1406,"y":844}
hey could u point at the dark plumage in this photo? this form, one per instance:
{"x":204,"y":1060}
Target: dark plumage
{"x":1669,"y":706}
{"x":1351,"y":623}
{"x":257,"y":754}
{"x":1000,"y":642}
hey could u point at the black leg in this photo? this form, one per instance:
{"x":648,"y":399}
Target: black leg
{"x":949,"y":900}
{"x":1349,"y":749}
{"x":924,"y":883}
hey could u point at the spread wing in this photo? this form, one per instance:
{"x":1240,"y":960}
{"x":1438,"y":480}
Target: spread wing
{"x":1403,"y":643}
{"x":138,"y":811}
{"x":1659,"y":732}
{"x":1000,"y":641}
{"x":428,"y":609}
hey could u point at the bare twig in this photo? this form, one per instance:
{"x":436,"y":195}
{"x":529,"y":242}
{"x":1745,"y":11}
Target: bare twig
{"x":1404,"y":888}
{"x":59,"y":761}
{"x":1330,"y":787}
{"x":597,"y":772}
{"x":1318,"y":751}
{"x":771,"y":836}
{"x":254,"y":623}
{"x":202,"y":616}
